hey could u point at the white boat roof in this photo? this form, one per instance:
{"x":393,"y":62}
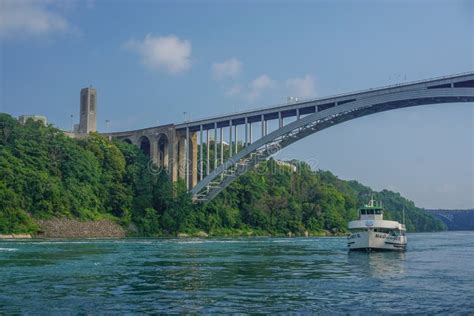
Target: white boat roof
{"x":373,"y":223}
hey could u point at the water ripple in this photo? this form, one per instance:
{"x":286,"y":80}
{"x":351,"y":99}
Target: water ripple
{"x":240,"y":275}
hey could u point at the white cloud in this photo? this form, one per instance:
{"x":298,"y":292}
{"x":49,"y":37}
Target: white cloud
{"x":229,"y":68}
{"x":259,"y":85}
{"x":234,"y":90}
{"x":262,"y":82}
{"x":168,"y":52}
{"x":29,"y":17}
{"x":301,"y":87}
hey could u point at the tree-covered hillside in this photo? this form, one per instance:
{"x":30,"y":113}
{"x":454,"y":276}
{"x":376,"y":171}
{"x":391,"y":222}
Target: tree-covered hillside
{"x":44,"y":175}
{"x":276,"y":199}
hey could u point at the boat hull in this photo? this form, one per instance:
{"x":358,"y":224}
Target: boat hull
{"x":375,"y":241}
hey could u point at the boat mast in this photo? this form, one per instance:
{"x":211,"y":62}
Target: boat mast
{"x":371,"y":201}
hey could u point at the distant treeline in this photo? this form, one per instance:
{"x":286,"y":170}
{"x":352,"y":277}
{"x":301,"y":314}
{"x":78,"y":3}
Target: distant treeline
{"x":44,"y":175}
{"x":455,"y":219}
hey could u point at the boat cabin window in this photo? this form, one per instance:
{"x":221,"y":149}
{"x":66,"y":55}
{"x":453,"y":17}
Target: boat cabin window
{"x":371,"y":212}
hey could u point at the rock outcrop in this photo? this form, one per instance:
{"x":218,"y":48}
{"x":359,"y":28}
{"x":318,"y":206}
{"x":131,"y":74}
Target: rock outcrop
{"x":69,"y":228}
{"x":15,"y":236}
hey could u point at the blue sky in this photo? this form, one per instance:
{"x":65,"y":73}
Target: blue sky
{"x":153,"y":60}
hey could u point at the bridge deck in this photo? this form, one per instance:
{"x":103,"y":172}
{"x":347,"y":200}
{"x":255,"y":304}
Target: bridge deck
{"x":308,"y":106}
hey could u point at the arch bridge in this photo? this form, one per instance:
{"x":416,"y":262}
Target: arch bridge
{"x":208,"y":154}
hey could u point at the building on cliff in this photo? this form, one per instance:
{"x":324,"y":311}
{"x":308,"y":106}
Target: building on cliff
{"x":37,"y":118}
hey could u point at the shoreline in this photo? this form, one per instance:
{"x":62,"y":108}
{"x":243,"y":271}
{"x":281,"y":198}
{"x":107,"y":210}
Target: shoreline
{"x":179,"y":236}
{"x":91,"y":235}
{"x":72,"y":239}
{"x":72,"y":229}
{"x":29,"y":237}
{"x":16,"y":236}
{"x":67,"y":228}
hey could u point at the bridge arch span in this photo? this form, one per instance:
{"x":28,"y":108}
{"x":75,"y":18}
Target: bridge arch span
{"x":145,"y":145}
{"x":163,"y":145}
{"x":268,"y":145}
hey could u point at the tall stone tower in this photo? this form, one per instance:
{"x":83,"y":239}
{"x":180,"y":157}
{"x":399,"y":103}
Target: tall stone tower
{"x":88,"y":114}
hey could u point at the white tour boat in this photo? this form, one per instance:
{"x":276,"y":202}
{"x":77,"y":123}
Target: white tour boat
{"x":372,"y":233}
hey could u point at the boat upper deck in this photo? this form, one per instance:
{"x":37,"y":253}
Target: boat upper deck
{"x":365,"y":224}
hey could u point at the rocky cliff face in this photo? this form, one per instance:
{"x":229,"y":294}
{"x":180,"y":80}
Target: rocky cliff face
{"x":68,"y":228}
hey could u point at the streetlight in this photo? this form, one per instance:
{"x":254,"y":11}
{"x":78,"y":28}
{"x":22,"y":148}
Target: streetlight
{"x":72,"y":123}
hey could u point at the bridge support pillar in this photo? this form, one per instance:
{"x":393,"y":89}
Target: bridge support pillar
{"x":222,"y":145}
{"x":180,"y":157}
{"x":250,"y":133}
{"x":193,"y":159}
{"x":185,"y":156}
{"x":173,"y":157}
{"x":246,"y":132}
{"x":208,"y":144}
{"x":154,"y":154}
{"x":215,"y":146}
{"x":236,"y":140}
{"x":187,"y":160}
{"x":230,"y":138}
{"x":201,"y":170}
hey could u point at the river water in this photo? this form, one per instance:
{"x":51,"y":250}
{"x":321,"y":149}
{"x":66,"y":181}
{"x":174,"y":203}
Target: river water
{"x":238,"y":275}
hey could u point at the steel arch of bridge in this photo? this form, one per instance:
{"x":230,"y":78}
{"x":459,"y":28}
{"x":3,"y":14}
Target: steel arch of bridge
{"x":260,"y":150}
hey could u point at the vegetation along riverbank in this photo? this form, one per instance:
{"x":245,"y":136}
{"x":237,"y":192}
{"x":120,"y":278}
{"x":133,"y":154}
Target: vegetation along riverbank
{"x":46,"y":176}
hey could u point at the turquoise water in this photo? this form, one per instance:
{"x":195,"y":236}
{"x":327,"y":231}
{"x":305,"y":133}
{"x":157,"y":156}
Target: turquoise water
{"x":249,"y":275}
